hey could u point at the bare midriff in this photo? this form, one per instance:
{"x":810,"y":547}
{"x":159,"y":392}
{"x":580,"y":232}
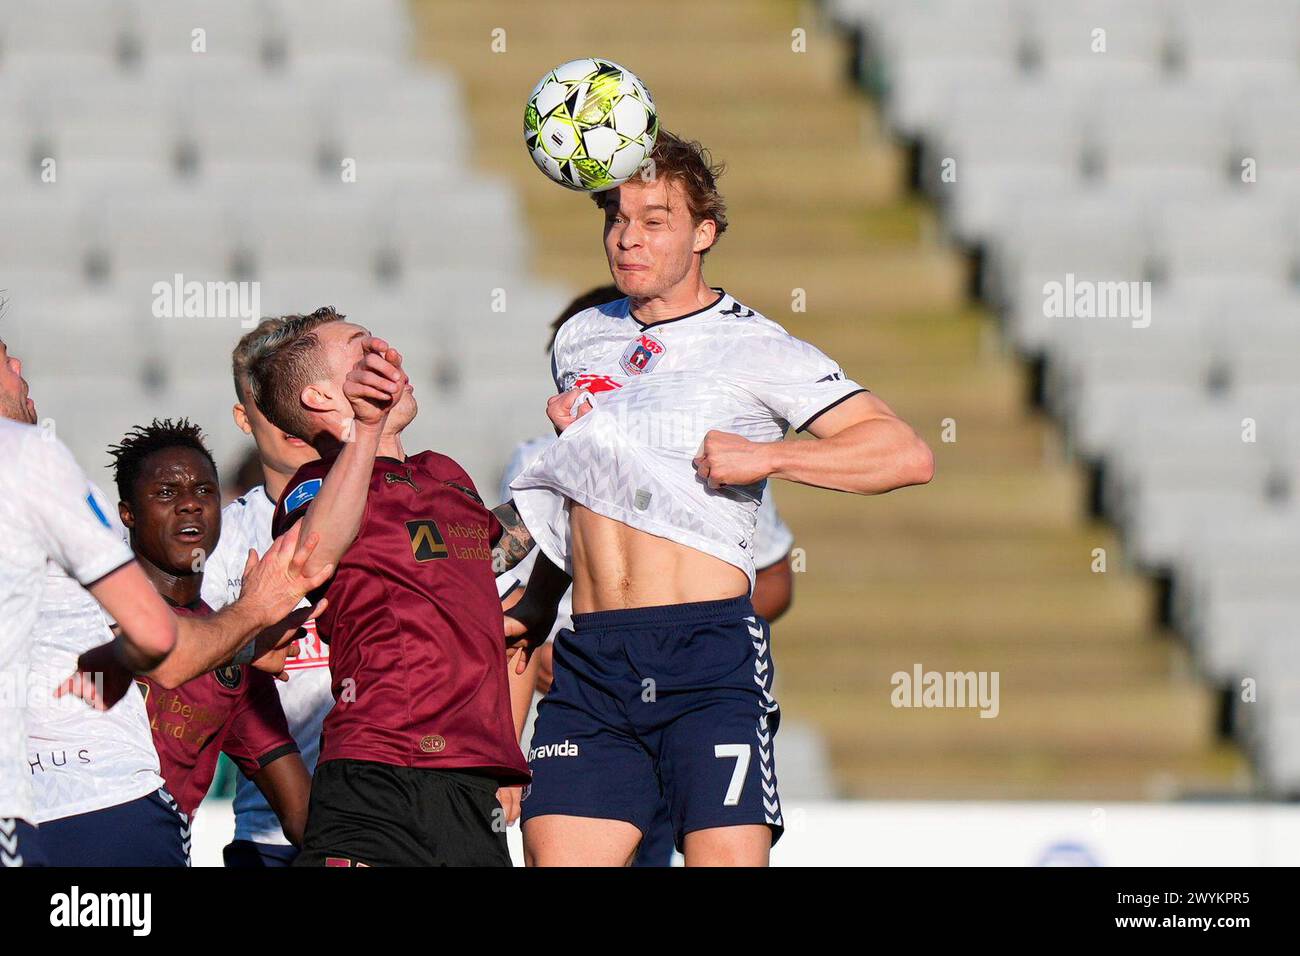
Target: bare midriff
{"x":616,"y":566}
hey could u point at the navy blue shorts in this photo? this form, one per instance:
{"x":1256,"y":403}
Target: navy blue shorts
{"x":656,"y":847}
{"x":20,"y":844}
{"x":147,"y":831}
{"x":670,"y":704}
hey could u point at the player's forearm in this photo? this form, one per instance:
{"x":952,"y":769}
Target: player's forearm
{"x":867,"y":458}
{"x":773,"y":590}
{"x":515,"y":541}
{"x":546,"y":587}
{"x":286,"y":784}
{"x":336,"y":511}
{"x":521,"y":694}
{"x":204,"y":644}
{"x":146,"y":626}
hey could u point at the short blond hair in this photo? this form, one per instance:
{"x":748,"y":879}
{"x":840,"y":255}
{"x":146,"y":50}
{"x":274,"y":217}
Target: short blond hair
{"x":286,"y":362}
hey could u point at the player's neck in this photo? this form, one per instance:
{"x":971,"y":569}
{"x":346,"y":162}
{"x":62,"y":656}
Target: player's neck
{"x":182,"y":589}
{"x":690,"y":295}
{"x":390,"y":446}
{"x":273,"y":482}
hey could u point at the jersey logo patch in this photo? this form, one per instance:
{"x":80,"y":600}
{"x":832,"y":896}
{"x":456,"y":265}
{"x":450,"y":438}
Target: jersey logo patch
{"x":229,"y":676}
{"x":594,"y":383}
{"x":642,"y":354}
{"x":426,"y":540}
{"x":738,"y":310}
{"x":301,"y":495}
{"x":392,"y":478}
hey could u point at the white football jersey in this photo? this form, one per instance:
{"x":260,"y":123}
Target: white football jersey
{"x":772,"y":538}
{"x":656,"y":391}
{"x":305,"y":696}
{"x":81,"y":759}
{"x":47,"y":513}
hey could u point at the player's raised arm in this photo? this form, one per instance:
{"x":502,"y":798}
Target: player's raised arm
{"x":372,"y":388}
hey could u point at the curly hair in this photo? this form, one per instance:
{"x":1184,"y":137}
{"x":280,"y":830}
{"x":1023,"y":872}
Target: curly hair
{"x":143,"y":440}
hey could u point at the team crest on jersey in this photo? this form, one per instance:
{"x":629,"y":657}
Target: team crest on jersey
{"x":427,"y":543}
{"x":642,"y":354}
{"x":229,"y":676}
{"x":301,"y":495}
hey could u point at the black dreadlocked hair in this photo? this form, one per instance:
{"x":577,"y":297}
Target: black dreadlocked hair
{"x":142,"y":441}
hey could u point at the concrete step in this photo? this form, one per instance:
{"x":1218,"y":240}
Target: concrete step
{"x":1163,"y":718}
{"x":811,"y":663}
{"x":1218,"y":771}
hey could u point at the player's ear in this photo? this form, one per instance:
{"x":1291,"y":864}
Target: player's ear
{"x":315,"y":397}
{"x":705,"y":233}
{"x":240,"y":414}
{"x":124,"y":512}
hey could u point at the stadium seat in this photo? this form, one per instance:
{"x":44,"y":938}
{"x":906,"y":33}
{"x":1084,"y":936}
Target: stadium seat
{"x":93,"y":34}
{"x":166,"y":231}
{"x":343,"y":30}
{"x":235,"y":32}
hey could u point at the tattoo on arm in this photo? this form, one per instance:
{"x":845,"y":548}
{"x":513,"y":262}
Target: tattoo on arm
{"x":515,"y":542}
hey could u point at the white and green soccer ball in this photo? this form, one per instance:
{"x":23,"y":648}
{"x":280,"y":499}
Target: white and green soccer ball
{"x":590,"y":124}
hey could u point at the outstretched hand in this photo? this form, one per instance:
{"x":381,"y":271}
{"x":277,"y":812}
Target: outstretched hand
{"x":275,"y":585}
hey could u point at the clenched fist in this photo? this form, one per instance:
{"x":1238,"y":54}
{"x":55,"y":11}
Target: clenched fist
{"x":727,"y":459}
{"x":567,"y":407}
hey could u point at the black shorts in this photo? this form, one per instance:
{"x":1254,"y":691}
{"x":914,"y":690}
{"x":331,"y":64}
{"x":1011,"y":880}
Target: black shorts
{"x":373,"y":814}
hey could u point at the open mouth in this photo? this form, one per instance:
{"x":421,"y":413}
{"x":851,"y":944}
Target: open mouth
{"x":191,"y":533}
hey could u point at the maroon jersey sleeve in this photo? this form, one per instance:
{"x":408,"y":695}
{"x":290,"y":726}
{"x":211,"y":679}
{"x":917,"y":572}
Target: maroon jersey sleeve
{"x":259,"y":733}
{"x":298,"y":494}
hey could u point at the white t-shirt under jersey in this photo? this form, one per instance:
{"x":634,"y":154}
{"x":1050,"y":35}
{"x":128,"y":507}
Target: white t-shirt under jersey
{"x":773,"y":538}
{"x":47,"y":513}
{"x":81,"y":759}
{"x":305,"y":696}
{"x":657,"y":390}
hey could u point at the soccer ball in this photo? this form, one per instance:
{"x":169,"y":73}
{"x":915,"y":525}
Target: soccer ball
{"x":590,"y":124}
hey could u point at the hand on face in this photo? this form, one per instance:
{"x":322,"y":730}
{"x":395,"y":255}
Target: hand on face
{"x":376,"y":384}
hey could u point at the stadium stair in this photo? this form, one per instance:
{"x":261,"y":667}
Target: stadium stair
{"x":987,"y":568}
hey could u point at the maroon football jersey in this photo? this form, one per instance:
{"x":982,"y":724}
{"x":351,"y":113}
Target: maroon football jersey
{"x":414,"y":625}
{"x":233,"y":709}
